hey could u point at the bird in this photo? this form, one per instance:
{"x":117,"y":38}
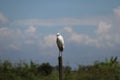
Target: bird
{"x":60,"y":43}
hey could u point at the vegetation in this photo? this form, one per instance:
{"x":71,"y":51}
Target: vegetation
{"x":107,"y":70}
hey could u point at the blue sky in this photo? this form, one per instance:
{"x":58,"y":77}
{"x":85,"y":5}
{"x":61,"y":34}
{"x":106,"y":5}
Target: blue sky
{"x":90,"y":29}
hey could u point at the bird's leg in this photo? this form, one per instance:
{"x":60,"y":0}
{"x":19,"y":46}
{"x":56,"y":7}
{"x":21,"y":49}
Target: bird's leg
{"x":59,"y":53}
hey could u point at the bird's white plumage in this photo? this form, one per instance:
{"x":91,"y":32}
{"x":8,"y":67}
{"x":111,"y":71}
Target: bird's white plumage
{"x":60,"y":42}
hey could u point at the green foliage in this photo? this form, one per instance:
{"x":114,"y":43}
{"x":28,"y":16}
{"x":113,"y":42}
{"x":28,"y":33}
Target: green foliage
{"x":45,"y":69}
{"x":107,"y":70}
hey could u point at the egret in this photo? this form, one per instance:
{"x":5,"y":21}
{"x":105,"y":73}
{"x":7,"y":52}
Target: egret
{"x":60,"y":43}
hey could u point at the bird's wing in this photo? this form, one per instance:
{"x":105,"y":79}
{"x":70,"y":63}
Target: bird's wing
{"x":61,"y":39}
{"x":60,"y":43}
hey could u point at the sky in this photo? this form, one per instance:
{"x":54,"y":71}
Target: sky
{"x":90,"y":29}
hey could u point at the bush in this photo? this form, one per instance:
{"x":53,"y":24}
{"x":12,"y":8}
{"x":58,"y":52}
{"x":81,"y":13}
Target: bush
{"x":45,"y":69}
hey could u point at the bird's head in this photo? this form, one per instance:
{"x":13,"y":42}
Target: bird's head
{"x":58,"y":34}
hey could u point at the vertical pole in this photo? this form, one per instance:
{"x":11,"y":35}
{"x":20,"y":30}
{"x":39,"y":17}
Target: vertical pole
{"x":60,"y":67}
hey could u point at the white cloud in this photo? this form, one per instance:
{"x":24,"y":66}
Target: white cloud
{"x":117,"y":38}
{"x":104,"y":31}
{"x":83,"y":39}
{"x":3,"y":18}
{"x":117,"y":11}
{"x":76,"y":37}
{"x":31,"y":29}
{"x":59,"y":22}
{"x":9,"y":38}
{"x":17,"y":39}
{"x":107,"y":32}
{"x":68,"y":29}
{"x":6,"y":33}
{"x":103,"y":27}
{"x":103,"y":34}
{"x":50,"y":40}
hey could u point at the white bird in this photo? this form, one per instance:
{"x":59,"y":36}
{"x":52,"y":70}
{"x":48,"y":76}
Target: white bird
{"x":60,"y":43}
